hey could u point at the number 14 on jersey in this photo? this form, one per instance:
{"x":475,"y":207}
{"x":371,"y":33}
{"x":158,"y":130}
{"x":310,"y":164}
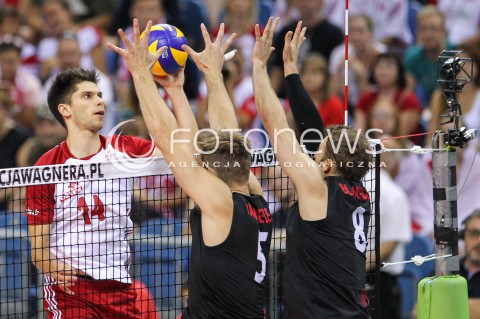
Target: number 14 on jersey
{"x":98,"y":209}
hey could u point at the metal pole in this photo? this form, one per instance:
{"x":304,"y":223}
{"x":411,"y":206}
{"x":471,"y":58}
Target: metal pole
{"x":445,"y":207}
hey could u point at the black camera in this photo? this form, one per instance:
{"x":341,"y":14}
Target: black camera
{"x":451,"y":72}
{"x":451,"y":68}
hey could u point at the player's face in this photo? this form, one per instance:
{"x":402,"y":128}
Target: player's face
{"x":325,"y":163}
{"x":320,"y":156}
{"x":472,"y":242}
{"x":87,"y":107}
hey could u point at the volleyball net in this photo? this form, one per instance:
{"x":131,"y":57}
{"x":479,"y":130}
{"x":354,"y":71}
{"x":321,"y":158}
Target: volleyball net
{"x":157,"y":230}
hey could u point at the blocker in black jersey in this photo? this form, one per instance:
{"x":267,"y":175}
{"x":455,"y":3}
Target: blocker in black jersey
{"x":325,"y":263}
{"x":228,"y":280}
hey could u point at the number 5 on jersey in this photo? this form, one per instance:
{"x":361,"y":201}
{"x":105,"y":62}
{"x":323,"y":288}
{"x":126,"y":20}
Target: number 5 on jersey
{"x":262,"y":237}
{"x":98,"y":209}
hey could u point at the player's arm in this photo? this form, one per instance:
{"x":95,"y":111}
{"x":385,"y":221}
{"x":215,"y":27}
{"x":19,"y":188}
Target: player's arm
{"x":304,"y":111}
{"x":187,"y":123}
{"x":221,"y":111}
{"x":39,"y":205}
{"x":46,"y":262}
{"x":304,"y":172}
{"x":196,"y":181}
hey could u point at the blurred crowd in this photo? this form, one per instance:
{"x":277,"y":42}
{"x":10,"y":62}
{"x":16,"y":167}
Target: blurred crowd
{"x":392,"y":82}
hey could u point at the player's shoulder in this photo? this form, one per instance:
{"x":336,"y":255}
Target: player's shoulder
{"x":340,"y":185}
{"x":56,"y":155}
{"x":111,"y":139}
{"x":126,"y":143}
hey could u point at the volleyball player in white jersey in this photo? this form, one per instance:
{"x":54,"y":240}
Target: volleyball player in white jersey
{"x":79,"y":231}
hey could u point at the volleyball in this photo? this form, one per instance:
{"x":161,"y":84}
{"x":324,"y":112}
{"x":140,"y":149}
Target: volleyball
{"x":174,"y":57}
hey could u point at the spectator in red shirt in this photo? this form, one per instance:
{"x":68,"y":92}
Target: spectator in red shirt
{"x":389,"y":79}
{"x":315,"y":79}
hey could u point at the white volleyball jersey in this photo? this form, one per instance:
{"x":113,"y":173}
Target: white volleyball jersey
{"x":90,"y":223}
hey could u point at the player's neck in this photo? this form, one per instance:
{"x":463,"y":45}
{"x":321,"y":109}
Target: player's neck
{"x":84,"y":143}
{"x":242,"y":189}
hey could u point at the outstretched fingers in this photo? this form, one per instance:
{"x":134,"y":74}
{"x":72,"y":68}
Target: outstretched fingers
{"x":257,"y":31}
{"x":288,"y":38}
{"x":136,"y":32}
{"x":160,"y":51}
{"x":125,"y":40}
{"x":228,"y":43}
{"x":191,"y":52}
{"x":302,"y":34}
{"x":116,"y":49}
{"x":205,"y":34}
{"x":146,"y":32}
{"x":270,"y":28}
{"x":221,"y":33}
{"x":296,"y":34}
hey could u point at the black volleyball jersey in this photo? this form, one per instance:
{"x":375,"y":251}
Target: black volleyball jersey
{"x":325,"y":262}
{"x":228,"y":280}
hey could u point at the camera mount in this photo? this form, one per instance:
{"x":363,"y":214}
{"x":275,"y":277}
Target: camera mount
{"x":454,"y":70}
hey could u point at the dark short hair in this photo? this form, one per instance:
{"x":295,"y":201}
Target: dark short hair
{"x":350,"y":164}
{"x":232,"y":155}
{"x":64,"y":85}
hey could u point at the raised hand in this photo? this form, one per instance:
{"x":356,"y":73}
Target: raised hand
{"x":211,"y":59}
{"x":136,"y":53}
{"x":175,"y":80}
{"x":263,"y":42}
{"x":291,"y":50}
